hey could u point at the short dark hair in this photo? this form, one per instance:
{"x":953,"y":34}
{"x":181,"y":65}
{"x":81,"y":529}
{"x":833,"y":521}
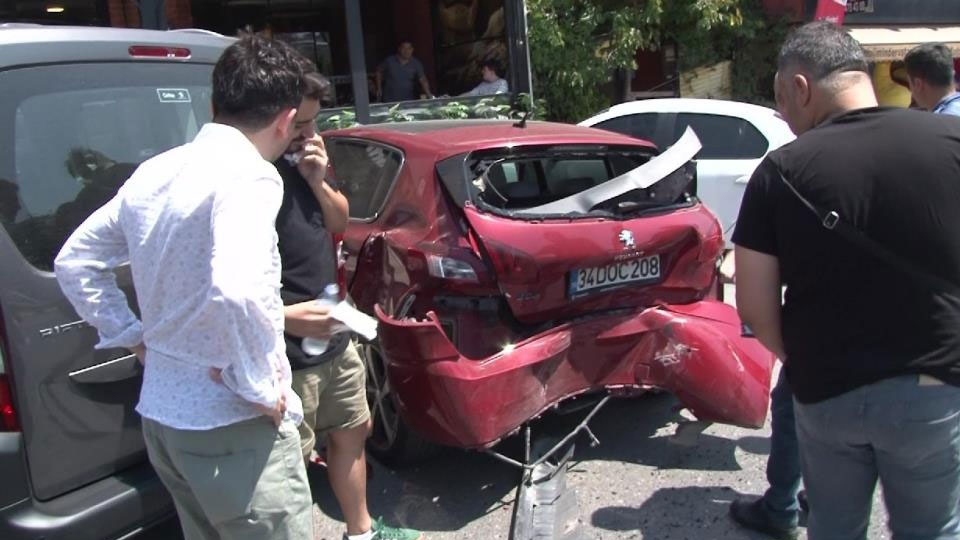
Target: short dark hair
{"x":494,"y":66}
{"x":932,"y":62}
{"x":821,"y":49}
{"x":316,"y":86}
{"x":255,"y":79}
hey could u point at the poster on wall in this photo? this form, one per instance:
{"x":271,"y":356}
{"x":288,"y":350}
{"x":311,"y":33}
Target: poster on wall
{"x":468,"y":33}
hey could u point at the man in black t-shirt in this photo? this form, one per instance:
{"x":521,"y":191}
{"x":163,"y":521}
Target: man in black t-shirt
{"x":870,"y":337}
{"x":331,"y":385}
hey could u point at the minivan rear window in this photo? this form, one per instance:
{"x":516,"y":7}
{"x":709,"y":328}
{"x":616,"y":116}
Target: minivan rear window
{"x":71,"y":134}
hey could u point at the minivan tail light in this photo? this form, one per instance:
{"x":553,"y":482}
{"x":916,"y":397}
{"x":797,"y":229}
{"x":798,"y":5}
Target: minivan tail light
{"x":8,"y":416}
{"x":155,"y":51}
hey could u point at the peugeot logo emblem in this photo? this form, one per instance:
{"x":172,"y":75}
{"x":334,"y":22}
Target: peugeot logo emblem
{"x":626,"y":237}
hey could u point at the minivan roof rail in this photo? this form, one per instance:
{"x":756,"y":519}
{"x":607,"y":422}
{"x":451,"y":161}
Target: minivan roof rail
{"x":11,"y":25}
{"x":197,"y":31}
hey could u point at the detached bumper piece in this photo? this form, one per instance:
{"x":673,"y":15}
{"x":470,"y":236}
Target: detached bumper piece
{"x":545,"y":508}
{"x":693,"y":350}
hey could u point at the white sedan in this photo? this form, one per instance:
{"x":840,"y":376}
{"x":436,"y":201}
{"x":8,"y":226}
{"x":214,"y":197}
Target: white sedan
{"x":735,"y":136}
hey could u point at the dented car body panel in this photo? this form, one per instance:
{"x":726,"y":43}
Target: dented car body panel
{"x":695,"y":352}
{"x":488,"y":317}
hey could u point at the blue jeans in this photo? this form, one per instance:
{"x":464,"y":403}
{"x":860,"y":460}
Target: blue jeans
{"x":902,"y":431}
{"x":783,"y":465}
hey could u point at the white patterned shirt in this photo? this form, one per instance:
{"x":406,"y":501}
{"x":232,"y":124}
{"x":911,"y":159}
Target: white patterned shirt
{"x":197,"y":225}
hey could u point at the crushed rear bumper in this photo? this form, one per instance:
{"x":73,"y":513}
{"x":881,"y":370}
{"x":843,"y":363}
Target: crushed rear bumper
{"x":693,"y":350}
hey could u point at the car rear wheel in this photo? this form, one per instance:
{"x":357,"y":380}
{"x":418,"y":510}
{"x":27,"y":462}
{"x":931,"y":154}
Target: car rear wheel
{"x":391,"y":441}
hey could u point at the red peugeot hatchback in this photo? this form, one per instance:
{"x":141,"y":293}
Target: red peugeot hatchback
{"x":515,"y":265}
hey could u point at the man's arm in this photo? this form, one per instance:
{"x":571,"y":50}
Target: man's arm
{"x":307,"y":319}
{"x":244,"y":235}
{"x":335,"y":207}
{"x":425,"y":85}
{"x":758,"y":296}
{"x":314,"y":166}
{"x":422,"y":78}
{"x":84,"y":269}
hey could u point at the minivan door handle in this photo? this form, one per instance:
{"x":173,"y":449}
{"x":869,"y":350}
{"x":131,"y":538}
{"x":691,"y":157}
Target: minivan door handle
{"x":742,"y":180}
{"x":118,"y":369}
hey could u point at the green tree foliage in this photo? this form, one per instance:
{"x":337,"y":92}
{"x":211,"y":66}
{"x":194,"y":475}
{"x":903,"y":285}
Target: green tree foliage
{"x":575,"y":45}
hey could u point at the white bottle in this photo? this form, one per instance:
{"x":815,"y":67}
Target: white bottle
{"x":328,"y":298}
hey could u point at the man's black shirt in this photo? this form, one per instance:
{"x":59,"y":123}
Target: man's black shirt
{"x":849,"y":318}
{"x":308,"y":258}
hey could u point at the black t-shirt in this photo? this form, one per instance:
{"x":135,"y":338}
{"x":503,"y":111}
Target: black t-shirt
{"x":308,"y":258}
{"x":850,"y":319}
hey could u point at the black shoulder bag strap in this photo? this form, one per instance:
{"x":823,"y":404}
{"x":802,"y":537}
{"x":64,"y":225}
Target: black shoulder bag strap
{"x":831,"y":221}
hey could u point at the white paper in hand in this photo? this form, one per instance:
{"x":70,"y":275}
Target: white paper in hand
{"x":356,"y":320}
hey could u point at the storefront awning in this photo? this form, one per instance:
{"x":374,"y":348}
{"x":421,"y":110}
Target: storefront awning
{"x":887,"y":43}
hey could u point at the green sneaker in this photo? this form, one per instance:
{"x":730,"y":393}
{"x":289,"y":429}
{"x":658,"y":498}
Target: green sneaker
{"x":381,"y":531}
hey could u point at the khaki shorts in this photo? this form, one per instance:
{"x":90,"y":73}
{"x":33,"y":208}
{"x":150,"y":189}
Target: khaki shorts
{"x":334,"y":397}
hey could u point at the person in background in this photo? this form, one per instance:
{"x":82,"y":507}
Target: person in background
{"x":931,"y":77}
{"x":196,"y":224}
{"x":492,"y":82}
{"x":399,"y":74}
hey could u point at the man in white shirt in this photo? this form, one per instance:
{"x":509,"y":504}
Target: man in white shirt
{"x":196,"y":225}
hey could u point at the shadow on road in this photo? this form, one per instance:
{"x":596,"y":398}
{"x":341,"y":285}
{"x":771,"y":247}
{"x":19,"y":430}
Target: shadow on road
{"x":677,"y":513}
{"x":637,"y":430}
{"x":443,"y":494}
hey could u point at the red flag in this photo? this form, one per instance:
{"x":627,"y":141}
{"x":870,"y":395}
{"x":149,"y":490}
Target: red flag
{"x":830,"y":10}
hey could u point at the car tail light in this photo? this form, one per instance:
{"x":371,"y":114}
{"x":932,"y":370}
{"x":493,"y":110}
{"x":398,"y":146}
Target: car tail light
{"x":450,"y":268}
{"x":511,"y":264}
{"x":155,"y":51}
{"x":8,"y":415}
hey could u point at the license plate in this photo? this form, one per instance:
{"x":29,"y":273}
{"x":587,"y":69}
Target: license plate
{"x":644,"y":269}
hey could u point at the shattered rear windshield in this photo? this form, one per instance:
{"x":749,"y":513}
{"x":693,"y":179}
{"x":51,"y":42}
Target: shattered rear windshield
{"x":516,"y":182}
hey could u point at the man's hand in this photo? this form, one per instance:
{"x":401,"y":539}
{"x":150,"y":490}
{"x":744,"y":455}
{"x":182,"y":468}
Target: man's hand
{"x":313,"y":162}
{"x":141,"y":352}
{"x":275,"y":413}
{"x":307,"y":319}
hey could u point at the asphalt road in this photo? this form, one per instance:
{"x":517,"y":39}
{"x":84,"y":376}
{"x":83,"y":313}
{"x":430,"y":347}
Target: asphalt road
{"x":636,"y":484}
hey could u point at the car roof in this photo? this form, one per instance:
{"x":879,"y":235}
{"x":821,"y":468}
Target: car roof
{"x":27,"y":44}
{"x":451,"y":137}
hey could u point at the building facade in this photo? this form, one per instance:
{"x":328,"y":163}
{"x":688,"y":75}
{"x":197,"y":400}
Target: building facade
{"x":887,"y":29}
{"x":348,"y":39}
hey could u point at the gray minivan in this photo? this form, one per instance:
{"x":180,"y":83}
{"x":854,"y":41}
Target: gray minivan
{"x":81,"y":109}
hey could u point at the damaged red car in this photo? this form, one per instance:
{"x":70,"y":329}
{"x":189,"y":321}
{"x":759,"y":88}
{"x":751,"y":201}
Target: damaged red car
{"x":514,"y":265}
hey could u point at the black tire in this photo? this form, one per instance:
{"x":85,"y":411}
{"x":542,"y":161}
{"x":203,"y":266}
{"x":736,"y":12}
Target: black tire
{"x":391,"y":441}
